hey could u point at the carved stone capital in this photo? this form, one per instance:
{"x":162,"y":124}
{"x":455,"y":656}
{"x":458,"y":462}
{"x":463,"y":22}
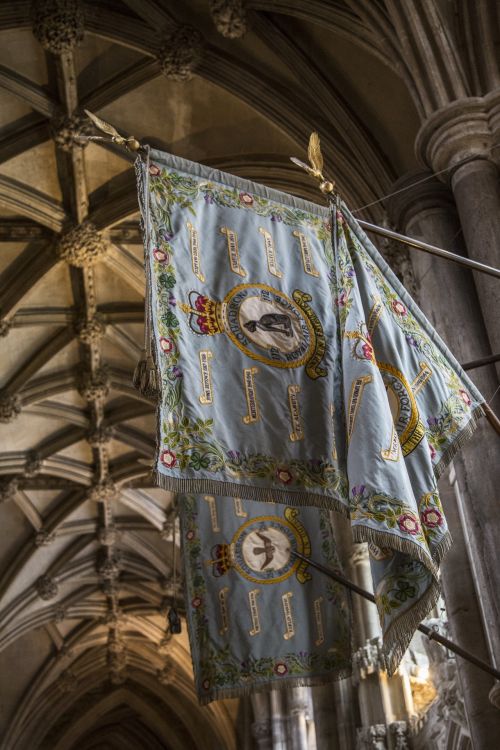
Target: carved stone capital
{"x":66,"y":129}
{"x":458,"y":131}
{"x":10,"y":407}
{"x":399,"y":732}
{"x":46,"y":587}
{"x":229,"y":17}
{"x":94,"y":386}
{"x":8,"y":489}
{"x":99,"y":492}
{"x":82,"y":246}
{"x":180,"y":53}
{"x":57,"y":24}
{"x":91,"y":331}
{"x":369,"y":659}
{"x":44,"y":538}
{"x":417,"y":192}
{"x":372,"y":737}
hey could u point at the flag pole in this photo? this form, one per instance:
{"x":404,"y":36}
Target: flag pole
{"x":431,"y":634}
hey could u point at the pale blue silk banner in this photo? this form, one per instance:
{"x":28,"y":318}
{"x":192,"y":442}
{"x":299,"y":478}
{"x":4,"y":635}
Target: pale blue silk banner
{"x":258,"y":616}
{"x":295,"y":369}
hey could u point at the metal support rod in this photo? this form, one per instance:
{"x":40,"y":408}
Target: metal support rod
{"x":475,"y":265}
{"x":481,"y":362}
{"x":431,"y":634}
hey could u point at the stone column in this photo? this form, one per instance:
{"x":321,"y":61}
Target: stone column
{"x":298,"y":712}
{"x":381,"y":698}
{"x":278,"y":719}
{"x":448,"y":296}
{"x":261,"y":726}
{"x":465,"y":130}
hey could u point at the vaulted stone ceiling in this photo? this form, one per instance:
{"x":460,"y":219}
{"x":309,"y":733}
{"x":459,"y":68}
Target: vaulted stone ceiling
{"x":86,"y":549}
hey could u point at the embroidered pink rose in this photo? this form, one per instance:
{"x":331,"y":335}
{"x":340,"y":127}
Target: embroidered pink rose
{"x":367,"y":350}
{"x":431,"y":518}
{"x":398,"y":307}
{"x":190,"y":534}
{"x":246,"y":199}
{"x":340,"y":218}
{"x":465,"y":397}
{"x":168,"y":459}
{"x":284,"y":476}
{"x":166,"y":345}
{"x":196,"y":602}
{"x":432,"y":451}
{"x":154,"y":170}
{"x":408,"y":523}
{"x":160,"y":255}
{"x":280,"y":668}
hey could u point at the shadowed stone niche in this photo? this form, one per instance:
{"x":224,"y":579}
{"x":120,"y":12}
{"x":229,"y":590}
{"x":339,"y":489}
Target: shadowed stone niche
{"x":229,"y":17}
{"x":180,"y":53}
{"x":57,"y":24}
{"x":83,"y":246}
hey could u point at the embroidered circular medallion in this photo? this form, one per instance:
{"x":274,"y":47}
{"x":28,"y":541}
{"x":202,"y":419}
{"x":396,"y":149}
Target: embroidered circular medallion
{"x":267,"y":325}
{"x":403,"y":406}
{"x":261,"y":549}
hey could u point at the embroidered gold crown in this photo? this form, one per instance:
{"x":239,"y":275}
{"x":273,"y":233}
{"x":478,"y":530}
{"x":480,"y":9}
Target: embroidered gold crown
{"x":221,"y":561}
{"x":204,"y":314}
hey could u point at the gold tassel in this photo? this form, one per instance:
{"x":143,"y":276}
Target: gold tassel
{"x":145,"y":378}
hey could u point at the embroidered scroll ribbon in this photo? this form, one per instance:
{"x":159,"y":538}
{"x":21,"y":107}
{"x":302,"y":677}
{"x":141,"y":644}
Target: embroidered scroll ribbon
{"x":233,"y":251}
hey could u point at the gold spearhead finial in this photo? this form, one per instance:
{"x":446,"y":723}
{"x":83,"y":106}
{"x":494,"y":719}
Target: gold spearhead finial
{"x":130,"y":142}
{"x":315,"y":167}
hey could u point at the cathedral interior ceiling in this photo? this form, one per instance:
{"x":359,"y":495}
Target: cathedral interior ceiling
{"x":86,"y":551}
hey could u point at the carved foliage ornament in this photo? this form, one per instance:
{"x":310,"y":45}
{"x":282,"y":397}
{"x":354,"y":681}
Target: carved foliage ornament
{"x":102,"y":491}
{"x":46,"y":587}
{"x":82,"y":246}
{"x":10,"y":407}
{"x":229,"y":17}
{"x":90,"y":331}
{"x":95,"y":385}
{"x":180,"y":53}
{"x":8,"y":489}
{"x":57,"y":24}
{"x":66,"y":129}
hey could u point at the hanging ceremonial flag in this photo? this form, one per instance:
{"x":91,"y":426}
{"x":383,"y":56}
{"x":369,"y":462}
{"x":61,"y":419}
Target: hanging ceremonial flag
{"x":295,"y":369}
{"x":258,"y":616}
